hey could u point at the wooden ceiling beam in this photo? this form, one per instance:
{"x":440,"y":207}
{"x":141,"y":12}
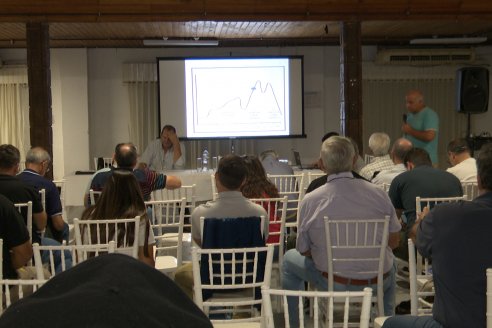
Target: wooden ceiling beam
{"x":240,"y":10}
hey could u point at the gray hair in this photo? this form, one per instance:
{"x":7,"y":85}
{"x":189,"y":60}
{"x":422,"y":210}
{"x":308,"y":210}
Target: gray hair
{"x":337,"y":154}
{"x":37,"y":155}
{"x":379,"y":142}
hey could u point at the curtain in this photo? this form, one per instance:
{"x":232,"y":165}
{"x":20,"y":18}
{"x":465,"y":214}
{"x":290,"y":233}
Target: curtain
{"x":14,"y":108}
{"x":141,"y":79}
{"x":384,"y":90}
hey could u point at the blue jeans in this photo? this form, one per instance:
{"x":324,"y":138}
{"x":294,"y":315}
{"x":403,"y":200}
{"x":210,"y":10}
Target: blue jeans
{"x":408,"y":321}
{"x":298,"y":269}
{"x":45,"y":256}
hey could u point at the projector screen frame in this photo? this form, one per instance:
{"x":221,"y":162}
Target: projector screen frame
{"x":183,"y":137}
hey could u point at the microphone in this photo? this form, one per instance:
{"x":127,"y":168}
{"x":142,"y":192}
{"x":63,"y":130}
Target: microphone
{"x":404,"y":117}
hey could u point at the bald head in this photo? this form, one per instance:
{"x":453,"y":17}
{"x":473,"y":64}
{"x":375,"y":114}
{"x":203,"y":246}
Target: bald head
{"x":400,"y":149}
{"x":414,"y":101}
{"x":125,"y":155}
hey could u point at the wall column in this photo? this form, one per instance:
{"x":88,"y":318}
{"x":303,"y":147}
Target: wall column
{"x":351,"y":81}
{"x":39,"y":77}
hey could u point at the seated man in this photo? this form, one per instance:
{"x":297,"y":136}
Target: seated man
{"x":342,"y":197}
{"x":457,"y":237}
{"x":318,"y":182}
{"x":399,"y":150}
{"x":37,"y":163}
{"x":165,"y":153}
{"x":230,"y":203}
{"x":422,"y":180}
{"x":125,"y":156}
{"x":19,"y":192}
{"x":17,"y":249}
{"x":379,"y":144}
{"x":464,"y":167}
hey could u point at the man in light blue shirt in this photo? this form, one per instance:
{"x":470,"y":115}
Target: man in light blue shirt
{"x":342,"y":196}
{"x":421,"y":125}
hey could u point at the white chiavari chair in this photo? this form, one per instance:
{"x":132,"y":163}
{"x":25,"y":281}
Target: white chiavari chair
{"x":324,"y":306}
{"x":90,"y":232}
{"x":357,"y":241}
{"x":78,"y":254}
{"x":290,"y":185}
{"x":167,"y":223}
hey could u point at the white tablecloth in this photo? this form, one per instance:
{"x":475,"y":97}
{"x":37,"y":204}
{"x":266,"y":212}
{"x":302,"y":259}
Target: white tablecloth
{"x":76,"y":185}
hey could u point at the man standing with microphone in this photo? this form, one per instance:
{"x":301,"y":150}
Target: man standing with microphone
{"x":421,"y":124}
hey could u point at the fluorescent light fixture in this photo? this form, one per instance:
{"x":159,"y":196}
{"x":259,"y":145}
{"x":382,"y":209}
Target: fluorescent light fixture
{"x":180,"y":43}
{"x":464,"y":40}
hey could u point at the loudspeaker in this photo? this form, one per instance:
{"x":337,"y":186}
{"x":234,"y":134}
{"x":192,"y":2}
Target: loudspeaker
{"x":472,"y":90}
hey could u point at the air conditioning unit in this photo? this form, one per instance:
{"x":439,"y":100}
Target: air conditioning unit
{"x":423,"y":57}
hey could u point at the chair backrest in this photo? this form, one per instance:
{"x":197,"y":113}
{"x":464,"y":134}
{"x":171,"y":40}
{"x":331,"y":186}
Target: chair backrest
{"x":102,"y":162}
{"x":312,"y":176}
{"x":228,"y":270}
{"x":292,"y":186}
{"x":188,"y":192}
{"x":489,"y":298}
{"x":420,"y":289}
{"x":420,"y":204}
{"x":27,"y":207}
{"x":168,"y":216}
{"x":90,"y":232}
{"x":470,"y":189}
{"x":15,"y":289}
{"x":77,"y":254}
{"x":368,"y":159}
{"x":94,"y":196}
{"x":357,"y":248}
{"x":323,"y":304}
{"x":60,"y":184}
{"x":276,"y":213}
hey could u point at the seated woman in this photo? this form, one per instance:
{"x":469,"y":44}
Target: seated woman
{"x":122,"y":198}
{"x":257,"y":185}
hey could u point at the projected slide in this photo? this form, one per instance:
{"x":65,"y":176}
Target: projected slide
{"x":237,"y":97}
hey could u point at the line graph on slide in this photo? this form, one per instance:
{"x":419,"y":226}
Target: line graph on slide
{"x":239,"y":98}
{"x":270,"y":102}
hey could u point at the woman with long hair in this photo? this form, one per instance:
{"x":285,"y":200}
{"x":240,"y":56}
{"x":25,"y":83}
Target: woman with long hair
{"x":257,"y":185}
{"x":121,"y":198}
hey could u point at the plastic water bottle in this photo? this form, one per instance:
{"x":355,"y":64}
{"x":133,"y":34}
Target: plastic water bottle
{"x":205,"y":160}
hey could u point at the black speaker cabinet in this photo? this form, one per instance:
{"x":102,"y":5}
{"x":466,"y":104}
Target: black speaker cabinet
{"x":472,"y":90}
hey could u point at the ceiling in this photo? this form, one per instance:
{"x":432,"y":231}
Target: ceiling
{"x":126,"y":23}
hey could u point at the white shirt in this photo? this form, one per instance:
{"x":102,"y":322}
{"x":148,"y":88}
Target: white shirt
{"x":386,"y":176}
{"x":466,"y":171}
{"x":159,"y":161}
{"x":379,"y":163}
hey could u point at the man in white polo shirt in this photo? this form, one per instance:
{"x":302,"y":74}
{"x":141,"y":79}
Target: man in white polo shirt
{"x":464,"y":167}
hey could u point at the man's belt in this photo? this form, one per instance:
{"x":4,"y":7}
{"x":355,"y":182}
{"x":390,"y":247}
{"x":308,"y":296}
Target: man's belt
{"x":355,"y":282}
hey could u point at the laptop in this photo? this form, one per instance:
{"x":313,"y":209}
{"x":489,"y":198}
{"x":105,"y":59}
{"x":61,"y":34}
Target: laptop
{"x":297,"y":160}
